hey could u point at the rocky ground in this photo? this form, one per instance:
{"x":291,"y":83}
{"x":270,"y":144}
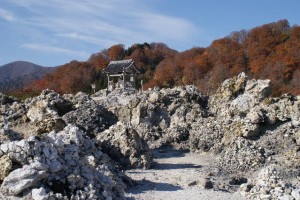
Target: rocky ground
{"x":177,"y":174}
{"x":240,"y":141}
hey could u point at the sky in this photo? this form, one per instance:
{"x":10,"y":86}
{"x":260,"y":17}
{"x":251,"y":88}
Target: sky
{"x":55,"y":32}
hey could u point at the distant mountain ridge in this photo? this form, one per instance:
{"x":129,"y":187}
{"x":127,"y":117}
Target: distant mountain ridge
{"x":16,"y":75}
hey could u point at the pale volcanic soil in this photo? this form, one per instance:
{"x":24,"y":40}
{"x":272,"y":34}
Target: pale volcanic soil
{"x":175,"y":175}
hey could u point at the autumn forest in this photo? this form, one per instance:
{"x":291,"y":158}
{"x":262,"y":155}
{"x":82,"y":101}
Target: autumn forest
{"x":270,"y":51}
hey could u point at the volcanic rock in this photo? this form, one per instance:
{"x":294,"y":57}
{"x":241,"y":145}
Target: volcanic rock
{"x":65,"y":163}
{"x":125,"y":145}
{"x":6,"y":166}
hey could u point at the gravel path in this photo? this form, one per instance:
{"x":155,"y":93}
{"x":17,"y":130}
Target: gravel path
{"x":176,"y":175}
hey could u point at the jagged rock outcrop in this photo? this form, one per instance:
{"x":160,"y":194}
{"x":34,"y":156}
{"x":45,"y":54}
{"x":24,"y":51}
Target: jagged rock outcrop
{"x":45,"y":111}
{"x":238,"y":94}
{"x":90,"y":117}
{"x":245,"y":124}
{"x":229,"y":89}
{"x":35,"y":116}
{"x":163,"y":116}
{"x":283,"y":109}
{"x":51,"y":112}
{"x":125,"y":145}
{"x":67,"y":164}
{"x":240,"y":124}
{"x":55,"y":146}
{"x":238,"y":101}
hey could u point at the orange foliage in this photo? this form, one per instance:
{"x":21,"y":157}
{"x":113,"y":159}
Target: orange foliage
{"x":116,"y":52}
{"x":69,"y":78}
{"x":270,"y":51}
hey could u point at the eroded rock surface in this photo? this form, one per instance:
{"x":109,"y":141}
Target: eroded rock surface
{"x":65,"y":146}
{"x":163,"y":116}
{"x":6,"y":166}
{"x":269,"y":185}
{"x":126,"y":146}
{"x":88,"y":115}
{"x":67,"y":164}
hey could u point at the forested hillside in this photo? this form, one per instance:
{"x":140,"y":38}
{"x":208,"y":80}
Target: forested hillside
{"x":270,"y":51}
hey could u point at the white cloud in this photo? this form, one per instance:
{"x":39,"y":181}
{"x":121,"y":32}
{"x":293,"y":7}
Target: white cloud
{"x":166,"y":26}
{"x":6,"y":15}
{"x":54,"y":49}
{"x":74,"y":29}
{"x":88,"y":39}
{"x":114,"y":20}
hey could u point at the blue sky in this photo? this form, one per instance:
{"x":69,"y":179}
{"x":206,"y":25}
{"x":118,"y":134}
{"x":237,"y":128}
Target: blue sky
{"x":54,"y":32}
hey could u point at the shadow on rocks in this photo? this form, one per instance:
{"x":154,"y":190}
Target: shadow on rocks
{"x":169,"y":166}
{"x":145,"y":185}
{"x":168,"y":152}
{"x":91,"y":118}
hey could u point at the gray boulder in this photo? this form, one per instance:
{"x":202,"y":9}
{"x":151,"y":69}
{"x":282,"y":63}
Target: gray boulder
{"x":21,"y":179}
{"x":125,"y":145}
{"x":45,"y":111}
{"x":90,"y":117}
{"x":39,"y":194}
{"x":228,"y":91}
